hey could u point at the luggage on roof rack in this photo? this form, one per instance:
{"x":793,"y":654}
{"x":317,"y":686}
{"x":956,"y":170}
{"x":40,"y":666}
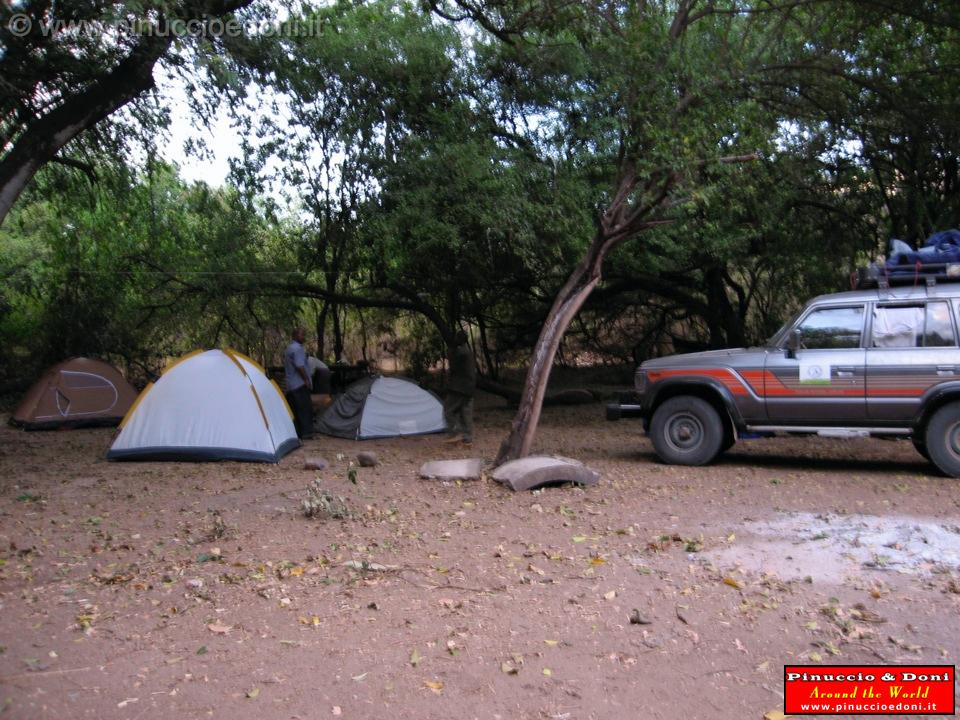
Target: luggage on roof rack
{"x":937,"y":260}
{"x":881,"y":276}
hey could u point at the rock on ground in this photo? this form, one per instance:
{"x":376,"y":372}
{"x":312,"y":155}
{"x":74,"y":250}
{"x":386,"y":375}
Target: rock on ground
{"x":315,"y":463}
{"x":368,"y":459}
{"x":452,"y":469}
{"x":535,"y":471}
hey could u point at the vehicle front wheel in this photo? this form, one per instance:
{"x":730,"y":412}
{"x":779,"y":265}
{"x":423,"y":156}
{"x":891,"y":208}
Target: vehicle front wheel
{"x":943,"y":439}
{"x":686,"y":430}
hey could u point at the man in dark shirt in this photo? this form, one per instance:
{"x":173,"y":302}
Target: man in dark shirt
{"x":461,"y":387}
{"x":298,"y":384}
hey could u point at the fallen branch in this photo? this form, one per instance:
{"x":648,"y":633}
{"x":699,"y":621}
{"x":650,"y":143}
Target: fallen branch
{"x":41,"y":673}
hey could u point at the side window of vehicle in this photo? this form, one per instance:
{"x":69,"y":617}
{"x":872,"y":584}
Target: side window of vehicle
{"x":832,"y":328}
{"x":938,"y":330}
{"x":899,"y":326}
{"x":913,"y":326}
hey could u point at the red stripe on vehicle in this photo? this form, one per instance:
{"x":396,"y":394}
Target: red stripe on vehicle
{"x":901,"y":391}
{"x":730,"y":379}
{"x":765,"y":383}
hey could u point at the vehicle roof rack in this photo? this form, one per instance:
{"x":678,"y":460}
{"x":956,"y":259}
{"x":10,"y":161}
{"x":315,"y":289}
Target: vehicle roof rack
{"x":879,"y":276}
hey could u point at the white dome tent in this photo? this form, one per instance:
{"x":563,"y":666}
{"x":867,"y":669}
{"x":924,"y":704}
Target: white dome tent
{"x":212,"y":405}
{"x":383,"y":407}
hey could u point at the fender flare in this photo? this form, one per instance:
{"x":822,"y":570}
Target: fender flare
{"x":933,"y":399}
{"x":698,"y":383}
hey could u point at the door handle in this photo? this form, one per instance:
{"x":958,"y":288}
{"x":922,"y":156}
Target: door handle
{"x":845,"y":372}
{"x":945,"y":370}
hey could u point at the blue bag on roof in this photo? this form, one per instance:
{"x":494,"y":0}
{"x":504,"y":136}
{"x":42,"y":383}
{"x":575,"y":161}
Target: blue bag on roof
{"x":944,"y":239}
{"x":939,"y":249}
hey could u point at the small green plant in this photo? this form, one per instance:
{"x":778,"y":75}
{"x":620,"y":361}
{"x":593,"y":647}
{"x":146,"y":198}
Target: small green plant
{"x":321,"y":503}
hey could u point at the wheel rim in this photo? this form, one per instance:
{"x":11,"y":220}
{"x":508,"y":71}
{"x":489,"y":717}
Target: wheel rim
{"x":684,"y":432}
{"x":953,"y":439}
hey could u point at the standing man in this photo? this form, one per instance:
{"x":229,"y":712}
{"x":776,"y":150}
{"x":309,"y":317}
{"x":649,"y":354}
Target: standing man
{"x":461,"y":387}
{"x":298,"y":384}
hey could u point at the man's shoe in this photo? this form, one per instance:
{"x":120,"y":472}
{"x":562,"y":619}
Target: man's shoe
{"x":451,"y":440}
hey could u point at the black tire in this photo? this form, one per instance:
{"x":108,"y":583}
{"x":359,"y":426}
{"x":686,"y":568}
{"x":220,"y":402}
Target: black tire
{"x":921,"y":447}
{"x":943,"y":439}
{"x":686,"y":430}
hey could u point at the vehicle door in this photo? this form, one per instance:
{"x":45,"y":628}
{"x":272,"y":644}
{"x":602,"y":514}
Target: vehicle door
{"x":823,"y":381}
{"x":912,"y":347}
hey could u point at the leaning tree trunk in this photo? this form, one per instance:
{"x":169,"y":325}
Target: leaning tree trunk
{"x":625,"y":217}
{"x":621,"y":220}
{"x":565,"y":307}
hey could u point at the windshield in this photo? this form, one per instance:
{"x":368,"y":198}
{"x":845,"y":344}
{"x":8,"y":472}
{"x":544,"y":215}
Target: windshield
{"x":778,"y":339}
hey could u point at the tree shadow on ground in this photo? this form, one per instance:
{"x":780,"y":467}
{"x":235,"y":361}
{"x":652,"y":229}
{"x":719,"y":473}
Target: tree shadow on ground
{"x":782,"y":461}
{"x":828,"y":464}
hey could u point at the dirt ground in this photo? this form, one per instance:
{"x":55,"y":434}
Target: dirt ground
{"x":168,"y":590}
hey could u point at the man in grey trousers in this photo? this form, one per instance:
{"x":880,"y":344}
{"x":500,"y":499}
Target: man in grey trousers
{"x":461,"y":387}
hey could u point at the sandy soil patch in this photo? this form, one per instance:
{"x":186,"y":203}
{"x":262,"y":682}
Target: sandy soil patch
{"x":161,"y":590}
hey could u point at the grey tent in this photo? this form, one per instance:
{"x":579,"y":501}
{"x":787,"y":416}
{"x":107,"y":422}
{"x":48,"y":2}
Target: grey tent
{"x":382,"y":407}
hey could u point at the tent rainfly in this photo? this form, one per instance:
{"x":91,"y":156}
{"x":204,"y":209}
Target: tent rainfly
{"x":383,"y":407}
{"x":213,"y":405}
{"x":79,"y":392}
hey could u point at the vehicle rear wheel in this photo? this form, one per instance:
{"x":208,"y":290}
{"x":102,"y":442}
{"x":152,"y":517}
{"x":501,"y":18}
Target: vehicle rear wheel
{"x":921,"y":447}
{"x":943,"y":439}
{"x":686,"y":430}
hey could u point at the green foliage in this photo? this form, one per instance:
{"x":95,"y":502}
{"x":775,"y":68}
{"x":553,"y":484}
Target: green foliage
{"x":449,"y":167}
{"x":138,"y":270}
{"x":667,"y":90}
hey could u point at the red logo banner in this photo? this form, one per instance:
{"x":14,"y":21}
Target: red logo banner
{"x":869,"y":689}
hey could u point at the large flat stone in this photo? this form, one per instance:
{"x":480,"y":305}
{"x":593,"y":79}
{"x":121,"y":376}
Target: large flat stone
{"x":452,"y":469}
{"x":535,"y":471}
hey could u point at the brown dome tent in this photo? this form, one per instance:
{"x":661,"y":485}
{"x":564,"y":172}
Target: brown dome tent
{"x":79,"y":392}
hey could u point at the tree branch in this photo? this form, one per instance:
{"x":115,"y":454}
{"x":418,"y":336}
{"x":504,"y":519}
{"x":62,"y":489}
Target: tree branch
{"x":86,"y":168}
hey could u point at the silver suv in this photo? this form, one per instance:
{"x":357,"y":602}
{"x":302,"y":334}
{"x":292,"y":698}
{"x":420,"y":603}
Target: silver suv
{"x":867,"y":362}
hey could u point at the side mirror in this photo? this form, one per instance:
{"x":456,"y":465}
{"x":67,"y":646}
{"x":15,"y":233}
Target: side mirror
{"x":793,"y":343}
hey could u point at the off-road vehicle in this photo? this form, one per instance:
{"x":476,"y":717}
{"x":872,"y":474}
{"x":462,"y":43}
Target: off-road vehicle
{"x":878,"y":362}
